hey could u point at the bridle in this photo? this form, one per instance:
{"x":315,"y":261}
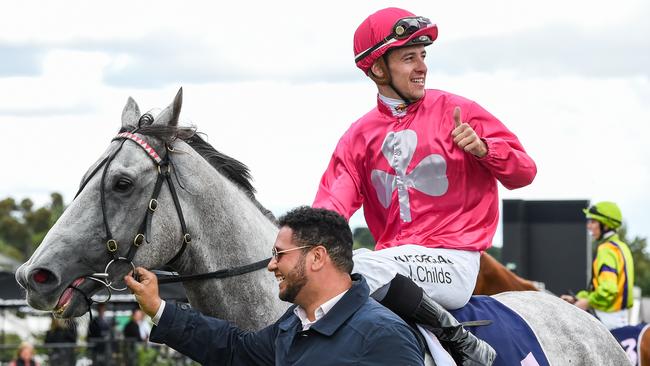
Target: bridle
{"x":164,"y":167}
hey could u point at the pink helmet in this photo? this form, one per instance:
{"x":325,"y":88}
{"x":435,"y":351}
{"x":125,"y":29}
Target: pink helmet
{"x":390,"y":28}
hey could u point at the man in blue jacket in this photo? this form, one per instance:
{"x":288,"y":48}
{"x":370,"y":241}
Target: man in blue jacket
{"x":333,"y":320}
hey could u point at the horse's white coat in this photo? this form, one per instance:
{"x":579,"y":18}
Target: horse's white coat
{"x":568,"y":335}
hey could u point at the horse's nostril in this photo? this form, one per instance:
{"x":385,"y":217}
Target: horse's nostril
{"x":41,"y":276}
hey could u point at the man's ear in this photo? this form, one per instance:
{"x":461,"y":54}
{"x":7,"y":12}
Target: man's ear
{"x":379,"y":72}
{"x":319,"y":258}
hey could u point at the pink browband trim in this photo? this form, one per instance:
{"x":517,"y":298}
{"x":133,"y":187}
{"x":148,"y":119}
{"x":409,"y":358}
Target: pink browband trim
{"x":143,"y":144}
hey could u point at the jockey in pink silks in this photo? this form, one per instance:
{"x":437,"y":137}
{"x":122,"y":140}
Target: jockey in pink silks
{"x":424,"y":164}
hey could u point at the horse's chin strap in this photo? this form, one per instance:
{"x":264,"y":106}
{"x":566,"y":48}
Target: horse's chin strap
{"x":89,"y":300}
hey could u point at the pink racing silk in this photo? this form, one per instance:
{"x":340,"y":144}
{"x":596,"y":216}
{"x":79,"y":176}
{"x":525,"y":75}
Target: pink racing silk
{"x":416,"y":185}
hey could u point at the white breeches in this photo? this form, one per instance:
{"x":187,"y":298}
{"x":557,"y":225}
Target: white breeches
{"x":448,"y":276}
{"x":614,"y":319}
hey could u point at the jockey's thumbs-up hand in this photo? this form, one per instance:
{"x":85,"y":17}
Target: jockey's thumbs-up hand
{"x":457,"y":122}
{"x":466,"y":138}
{"x":145,"y":289}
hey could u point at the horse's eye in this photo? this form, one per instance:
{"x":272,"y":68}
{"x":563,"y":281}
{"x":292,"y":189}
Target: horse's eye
{"x":123,"y":184}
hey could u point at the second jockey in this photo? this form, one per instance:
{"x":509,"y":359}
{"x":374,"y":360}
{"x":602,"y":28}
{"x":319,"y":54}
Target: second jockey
{"x":611,"y":292}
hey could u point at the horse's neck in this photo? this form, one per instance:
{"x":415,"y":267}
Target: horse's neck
{"x":228,"y":230}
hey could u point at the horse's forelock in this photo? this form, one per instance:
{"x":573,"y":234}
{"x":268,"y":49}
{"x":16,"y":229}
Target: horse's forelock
{"x":165,"y":133}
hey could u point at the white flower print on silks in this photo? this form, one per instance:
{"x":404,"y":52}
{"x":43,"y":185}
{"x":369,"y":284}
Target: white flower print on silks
{"x":429,"y":176}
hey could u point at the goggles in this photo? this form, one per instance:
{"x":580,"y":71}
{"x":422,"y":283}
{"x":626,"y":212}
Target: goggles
{"x":594,"y":211}
{"x":402,"y":29}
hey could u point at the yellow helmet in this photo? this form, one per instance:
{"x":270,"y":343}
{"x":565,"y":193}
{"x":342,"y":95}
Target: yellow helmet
{"x":607,"y":213}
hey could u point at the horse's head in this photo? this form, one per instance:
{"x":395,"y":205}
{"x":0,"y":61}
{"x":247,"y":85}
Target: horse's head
{"x":106,"y":228}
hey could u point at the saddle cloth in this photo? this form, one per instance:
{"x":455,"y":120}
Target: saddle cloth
{"x":630,"y":339}
{"x":509,"y":334}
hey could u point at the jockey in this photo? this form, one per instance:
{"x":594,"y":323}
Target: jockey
{"x":424,"y":163}
{"x":610,"y":294}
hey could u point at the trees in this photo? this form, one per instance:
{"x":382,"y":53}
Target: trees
{"x":23,"y":226}
{"x":638,"y":247}
{"x":363,"y":238}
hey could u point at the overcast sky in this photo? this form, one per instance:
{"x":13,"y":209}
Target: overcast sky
{"x":274,"y":85}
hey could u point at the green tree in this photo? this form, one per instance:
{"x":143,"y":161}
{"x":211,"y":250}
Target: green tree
{"x":56,"y":207}
{"x":26,"y":205}
{"x":15,"y":233}
{"x":10,"y":251}
{"x":7,"y":205}
{"x":639,"y":248}
{"x":23,"y":226}
{"x":363,"y":238}
{"x":495,"y":252}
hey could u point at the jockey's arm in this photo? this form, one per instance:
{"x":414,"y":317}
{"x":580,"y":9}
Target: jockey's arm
{"x":606,"y":286}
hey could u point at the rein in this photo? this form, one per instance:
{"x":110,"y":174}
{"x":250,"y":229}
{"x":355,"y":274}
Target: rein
{"x":171,"y":277}
{"x":164,"y":167}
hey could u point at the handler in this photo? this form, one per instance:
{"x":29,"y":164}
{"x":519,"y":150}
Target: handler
{"x":333,"y":321}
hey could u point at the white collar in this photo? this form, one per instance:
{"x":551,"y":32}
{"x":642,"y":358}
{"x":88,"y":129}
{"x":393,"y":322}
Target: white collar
{"x":396,"y":106}
{"x":319,"y":313}
{"x":608,"y":234}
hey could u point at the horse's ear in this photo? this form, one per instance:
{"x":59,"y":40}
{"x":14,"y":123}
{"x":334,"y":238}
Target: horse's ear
{"x":130,"y":114}
{"x":169,"y":116}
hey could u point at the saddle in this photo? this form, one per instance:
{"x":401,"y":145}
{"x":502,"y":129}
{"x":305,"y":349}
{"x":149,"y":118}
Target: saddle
{"x":630,"y":339}
{"x":490,"y":320}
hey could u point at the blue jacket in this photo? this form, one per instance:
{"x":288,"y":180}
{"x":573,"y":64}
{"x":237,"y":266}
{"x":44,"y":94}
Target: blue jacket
{"x":356,"y":331}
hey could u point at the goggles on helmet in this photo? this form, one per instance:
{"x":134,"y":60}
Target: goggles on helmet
{"x":403,"y":28}
{"x":594,"y":211}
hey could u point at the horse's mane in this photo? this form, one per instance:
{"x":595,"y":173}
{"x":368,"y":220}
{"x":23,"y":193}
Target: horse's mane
{"x":234,"y":170}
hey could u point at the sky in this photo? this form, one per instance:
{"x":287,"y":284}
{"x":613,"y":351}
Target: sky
{"x":274,"y":85}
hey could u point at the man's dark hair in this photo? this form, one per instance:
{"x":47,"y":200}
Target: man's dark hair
{"x":317,"y":226}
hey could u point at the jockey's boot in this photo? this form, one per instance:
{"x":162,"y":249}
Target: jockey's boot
{"x":409,"y":301}
{"x":463,"y":346}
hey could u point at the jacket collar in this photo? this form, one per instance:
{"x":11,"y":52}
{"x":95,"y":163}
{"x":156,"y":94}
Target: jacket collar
{"x":608,"y":236}
{"x":345,"y":308}
{"x":341,"y":312}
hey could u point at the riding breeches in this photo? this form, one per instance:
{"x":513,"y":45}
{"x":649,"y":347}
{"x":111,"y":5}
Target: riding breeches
{"x":614,"y":319}
{"x":448,"y":276}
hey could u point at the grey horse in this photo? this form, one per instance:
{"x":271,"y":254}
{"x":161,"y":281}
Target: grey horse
{"x":205,"y":218}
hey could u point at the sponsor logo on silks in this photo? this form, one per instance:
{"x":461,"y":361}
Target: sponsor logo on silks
{"x":400,"y":107}
{"x":422,"y":258}
{"x":428,"y":177}
{"x":429,"y":274}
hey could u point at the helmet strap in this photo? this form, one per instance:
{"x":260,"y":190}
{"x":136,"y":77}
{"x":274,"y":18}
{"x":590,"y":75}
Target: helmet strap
{"x":390,"y":80}
{"x":605,"y":231}
{"x":602,"y":231}
{"x":386,"y":79}
{"x":380,"y":80}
